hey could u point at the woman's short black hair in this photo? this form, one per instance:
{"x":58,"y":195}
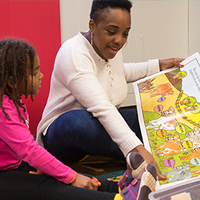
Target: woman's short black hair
{"x":98,"y":6}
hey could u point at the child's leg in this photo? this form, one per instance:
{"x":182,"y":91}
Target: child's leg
{"x":148,"y":182}
{"x":135,"y":165}
{"x":20,"y":185}
{"x":140,"y":188}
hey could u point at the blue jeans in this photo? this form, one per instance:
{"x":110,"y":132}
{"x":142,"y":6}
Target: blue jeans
{"x":77,"y":133}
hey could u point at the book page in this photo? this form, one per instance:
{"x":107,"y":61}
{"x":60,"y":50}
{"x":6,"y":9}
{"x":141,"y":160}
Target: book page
{"x":168,"y":105}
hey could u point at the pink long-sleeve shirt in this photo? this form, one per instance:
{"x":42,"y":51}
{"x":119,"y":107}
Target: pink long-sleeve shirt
{"x":17,"y":144}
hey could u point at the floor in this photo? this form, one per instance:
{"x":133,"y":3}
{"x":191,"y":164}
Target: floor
{"x":99,"y":166}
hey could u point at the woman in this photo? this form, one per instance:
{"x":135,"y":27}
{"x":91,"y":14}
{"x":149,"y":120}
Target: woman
{"x":88,"y":85}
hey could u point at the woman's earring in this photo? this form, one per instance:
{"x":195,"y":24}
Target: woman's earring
{"x":91,"y":39}
{"x":125,"y":44}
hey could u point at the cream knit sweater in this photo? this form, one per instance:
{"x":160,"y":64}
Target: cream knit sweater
{"x":81,"y":79}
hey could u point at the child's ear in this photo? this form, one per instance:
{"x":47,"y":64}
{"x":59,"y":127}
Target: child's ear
{"x":10,"y":81}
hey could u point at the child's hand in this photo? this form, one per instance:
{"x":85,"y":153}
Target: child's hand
{"x":38,"y":172}
{"x":85,"y":182}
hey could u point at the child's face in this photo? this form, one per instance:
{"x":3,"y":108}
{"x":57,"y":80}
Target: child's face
{"x":37,"y":77}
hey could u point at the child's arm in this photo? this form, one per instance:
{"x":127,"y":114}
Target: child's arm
{"x":20,"y":144}
{"x":79,"y":181}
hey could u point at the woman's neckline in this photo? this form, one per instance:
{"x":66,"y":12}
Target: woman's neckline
{"x":87,"y":35}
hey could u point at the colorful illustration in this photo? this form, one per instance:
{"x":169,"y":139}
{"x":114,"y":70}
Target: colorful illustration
{"x":167,"y":121}
{"x":169,"y":112}
{"x":171,"y":146}
{"x":179,"y":173}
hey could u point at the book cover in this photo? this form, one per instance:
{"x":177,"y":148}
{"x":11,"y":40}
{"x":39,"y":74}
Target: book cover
{"x":168,"y":105}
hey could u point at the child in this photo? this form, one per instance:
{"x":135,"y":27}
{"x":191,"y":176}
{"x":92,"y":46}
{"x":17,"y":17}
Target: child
{"x":19,"y":153}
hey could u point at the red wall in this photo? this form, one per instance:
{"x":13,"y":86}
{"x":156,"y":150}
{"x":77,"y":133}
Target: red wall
{"x":37,"y":21}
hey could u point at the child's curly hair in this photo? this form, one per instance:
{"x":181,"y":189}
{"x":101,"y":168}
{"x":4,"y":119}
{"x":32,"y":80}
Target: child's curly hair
{"x":14,"y":57}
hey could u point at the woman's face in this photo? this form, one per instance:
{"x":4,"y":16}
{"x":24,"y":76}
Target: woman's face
{"x":111,"y":32}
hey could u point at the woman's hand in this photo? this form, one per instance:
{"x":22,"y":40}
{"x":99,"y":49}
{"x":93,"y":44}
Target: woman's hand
{"x":148,"y":158}
{"x":84,"y":182}
{"x":169,"y":63}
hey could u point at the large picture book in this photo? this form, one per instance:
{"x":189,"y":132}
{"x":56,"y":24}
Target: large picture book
{"x":168,"y":105}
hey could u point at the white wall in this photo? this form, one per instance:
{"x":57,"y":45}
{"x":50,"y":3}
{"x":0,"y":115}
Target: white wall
{"x":194,"y":27}
{"x":74,"y":17}
{"x":159,"y":29}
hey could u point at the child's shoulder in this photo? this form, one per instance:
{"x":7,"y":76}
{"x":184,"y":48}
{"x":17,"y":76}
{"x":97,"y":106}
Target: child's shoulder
{"x":9,"y":107}
{"x":7,"y":102}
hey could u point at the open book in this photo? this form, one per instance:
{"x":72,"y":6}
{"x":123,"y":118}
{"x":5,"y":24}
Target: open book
{"x":168,"y":105}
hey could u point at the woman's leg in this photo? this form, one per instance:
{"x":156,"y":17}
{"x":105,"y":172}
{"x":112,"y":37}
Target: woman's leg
{"x":77,"y":133}
{"x":131,"y":118}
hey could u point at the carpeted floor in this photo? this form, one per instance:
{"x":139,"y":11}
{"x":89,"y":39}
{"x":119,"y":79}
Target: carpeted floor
{"x":100,"y":166}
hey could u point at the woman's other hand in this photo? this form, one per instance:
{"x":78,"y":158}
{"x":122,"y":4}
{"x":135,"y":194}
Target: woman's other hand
{"x":169,"y":63}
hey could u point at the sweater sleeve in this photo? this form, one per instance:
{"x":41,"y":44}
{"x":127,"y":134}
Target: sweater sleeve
{"x":18,"y":137}
{"x":95,"y":100}
{"x":136,"y":71}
